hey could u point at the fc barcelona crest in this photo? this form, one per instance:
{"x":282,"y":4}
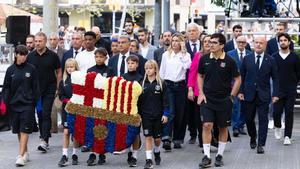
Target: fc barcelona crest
{"x":103,"y":111}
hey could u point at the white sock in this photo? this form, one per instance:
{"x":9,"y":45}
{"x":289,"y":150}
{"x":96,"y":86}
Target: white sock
{"x":75,"y":150}
{"x":65,"y":151}
{"x":148,"y":154}
{"x":156,"y":148}
{"x":206,"y":148}
{"x":134,"y":153}
{"x":221,"y":148}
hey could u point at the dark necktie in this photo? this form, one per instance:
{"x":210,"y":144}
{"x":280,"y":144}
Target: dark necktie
{"x":195,"y":48}
{"x":257,"y":62}
{"x":76,"y":52}
{"x":122,"y":70}
{"x":241,"y":56}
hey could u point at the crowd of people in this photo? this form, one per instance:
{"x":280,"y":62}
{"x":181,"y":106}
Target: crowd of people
{"x":198,"y":81}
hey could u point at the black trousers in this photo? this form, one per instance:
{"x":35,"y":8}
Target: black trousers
{"x":194,"y":120}
{"x":45,"y":116}
{"x":177,"y":119}
{"x":262,"y":109}
{"x":285,"y":103}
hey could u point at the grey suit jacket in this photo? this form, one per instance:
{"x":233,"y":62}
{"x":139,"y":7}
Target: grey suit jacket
{"x":150,"y":54}
{"x":60,"y":53}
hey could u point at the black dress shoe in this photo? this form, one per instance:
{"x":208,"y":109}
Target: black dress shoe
{"x":253,"y":143}
{"x":177,"y":145}
{"x":167,"y":145}
{"x":235,"y":132}
{"x":242,"y":131}
{"x":260,"y":150}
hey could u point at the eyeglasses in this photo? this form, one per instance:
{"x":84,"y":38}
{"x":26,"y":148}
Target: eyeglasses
{"x":242,"y":42}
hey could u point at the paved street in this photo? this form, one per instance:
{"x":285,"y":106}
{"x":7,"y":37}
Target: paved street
{"x":238,"y":154}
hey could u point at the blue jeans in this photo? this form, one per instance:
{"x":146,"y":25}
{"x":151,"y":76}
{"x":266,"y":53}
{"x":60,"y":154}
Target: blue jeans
{"x":238,"y":117}
{"x":176,"y":125}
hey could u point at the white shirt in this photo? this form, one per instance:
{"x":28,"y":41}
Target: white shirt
{"x":78,"y":50}
{"x":197,"y":45}
{"x":120,"y":62}
{"x":144,"y":50}
{"x":260,"y":59}
{"x":244,"y":53}
{"x":283,"y":55}
{"x":86,"y":59}
{"x":235,"y":43}
{"x":174,"y":66}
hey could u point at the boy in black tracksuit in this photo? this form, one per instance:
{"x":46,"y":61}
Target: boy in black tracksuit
{"x":100,"y":67}
{"x":133,"y":75}
{"x":105,"y":71}
{"x":20,"y":93}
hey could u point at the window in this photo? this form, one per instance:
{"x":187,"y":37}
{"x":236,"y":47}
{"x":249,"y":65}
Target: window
{"x":177,"y":2}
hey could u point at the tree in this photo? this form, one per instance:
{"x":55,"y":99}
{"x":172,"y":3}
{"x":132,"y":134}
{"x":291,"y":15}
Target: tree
{"x":218,"y":2}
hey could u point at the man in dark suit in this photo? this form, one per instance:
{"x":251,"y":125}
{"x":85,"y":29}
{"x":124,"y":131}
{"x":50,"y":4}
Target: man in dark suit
{"x":192,"y":46}
{"x":237,"y":117}
{"x":101,"y":42}
{"x":118,"y":62}
{"x":256,"y":71}
{"x":76,"y":41}
{"x":230,"y":45}
{"x":166,"y":37}
{"x":273,"y":46}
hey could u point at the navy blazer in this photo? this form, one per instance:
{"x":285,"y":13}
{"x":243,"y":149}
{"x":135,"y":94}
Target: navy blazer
{"x":259,"y":81}
{"x":68,"y":54}
{"x":236,"y":57}
{"x":189,"y":49}
{"x":113,"y":63}
{"x":230,"y":46}
{"x":272,"y":46}
{"x":158,"y":55}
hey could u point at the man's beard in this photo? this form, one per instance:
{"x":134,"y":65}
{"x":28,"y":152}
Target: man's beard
{"x":284,"y":47}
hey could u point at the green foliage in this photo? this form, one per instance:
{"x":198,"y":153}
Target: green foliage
{"x":218,"y":2}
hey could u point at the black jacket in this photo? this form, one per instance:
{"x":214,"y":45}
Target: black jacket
{"x":21,"y":87}
{"x":65,"y":91}
{"x":133,"y":76}
{"x":104,"y":70}
{"x":153,"y":102}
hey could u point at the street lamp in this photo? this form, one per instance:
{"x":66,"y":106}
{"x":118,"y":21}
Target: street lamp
{"x":114,"y":5}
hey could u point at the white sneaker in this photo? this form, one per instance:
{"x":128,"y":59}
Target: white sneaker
{"x":20,"y":161}
{"x":287,"y":141}
{"x":278,"y":133}
{"x":26,"y":157}
{"x":271,"y":124}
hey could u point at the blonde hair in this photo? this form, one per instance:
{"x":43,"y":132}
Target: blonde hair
{"x":68,"y":62}
{"x":180,"y":37}
{"x":154,"y":64}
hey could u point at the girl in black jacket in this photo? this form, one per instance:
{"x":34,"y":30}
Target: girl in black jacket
{"x":154,"y":110}
{"x":20,"y":93}
{"x":65,"y":93}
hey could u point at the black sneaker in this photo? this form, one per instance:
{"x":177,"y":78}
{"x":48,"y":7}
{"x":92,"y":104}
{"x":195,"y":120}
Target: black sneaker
{"x":129,"y":157}
{"x":74,"y":159}
{"x":206,"y":162}
{"x":85,"y":149}
{"x":167,"y":145}
{"x":149,"y":164}
{"x":63,"y":161}
{"x":133,"y":162}
{"x":219,"y":161}
{"x":157,"y":158}
{"x":177,"y":146}
{"x":101,"y":160}
{"x":92,"y":160}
